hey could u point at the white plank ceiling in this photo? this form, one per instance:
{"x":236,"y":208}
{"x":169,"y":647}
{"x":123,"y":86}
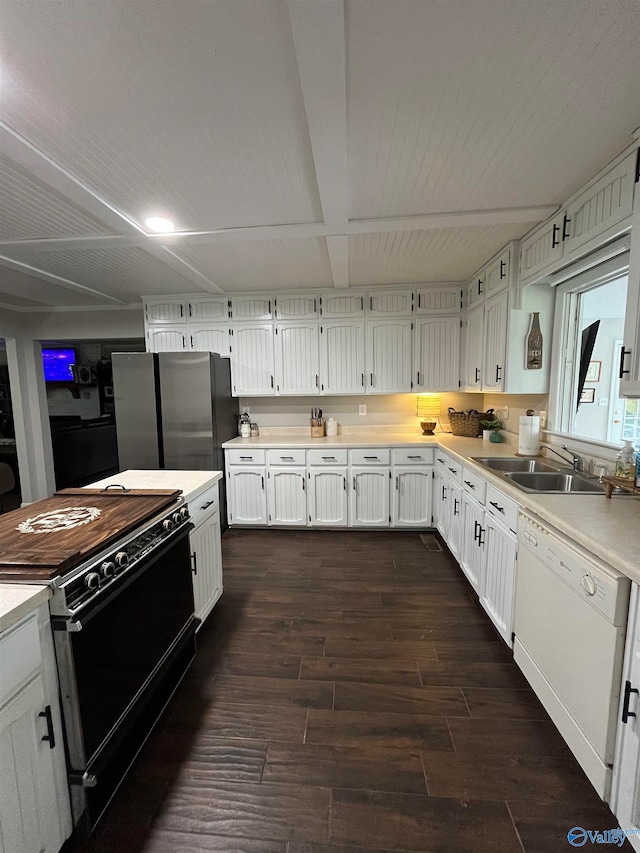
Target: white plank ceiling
{"x":300,"y":144}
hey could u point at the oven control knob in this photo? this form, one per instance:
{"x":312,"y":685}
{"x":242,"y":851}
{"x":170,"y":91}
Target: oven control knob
{"x":176,"y":518}
{"x":588,"y":584}
{"x":167,"y":525}
{"x":184,"y":513}
{"x":108,"y":570}
{"x":92,"y":580}
{"x":122,"y":559}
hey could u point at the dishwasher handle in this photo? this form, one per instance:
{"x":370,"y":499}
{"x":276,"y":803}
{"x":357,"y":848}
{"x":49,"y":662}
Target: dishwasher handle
{"x":628,"y":690}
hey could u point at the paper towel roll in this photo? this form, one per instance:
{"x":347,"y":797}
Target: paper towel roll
{"x":529,"y":435}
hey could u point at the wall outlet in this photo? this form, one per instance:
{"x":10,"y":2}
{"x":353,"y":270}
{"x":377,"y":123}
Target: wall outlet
{"x":362,"y":408}
{"x":543,"y":419}
{"x":503,"y":414}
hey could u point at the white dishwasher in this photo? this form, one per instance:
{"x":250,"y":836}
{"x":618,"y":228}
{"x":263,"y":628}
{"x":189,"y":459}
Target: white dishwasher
{"x":570,"y":623}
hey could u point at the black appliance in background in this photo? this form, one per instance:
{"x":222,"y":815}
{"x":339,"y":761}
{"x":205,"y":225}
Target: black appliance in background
{"x":174,"y":410}
{"x":587,"y":344}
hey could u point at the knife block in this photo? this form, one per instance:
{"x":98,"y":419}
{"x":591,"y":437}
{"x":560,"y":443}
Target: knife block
{"x":317,"y":431}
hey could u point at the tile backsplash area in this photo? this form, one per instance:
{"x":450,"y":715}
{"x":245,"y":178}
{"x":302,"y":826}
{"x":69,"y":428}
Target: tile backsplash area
{"x":517,"y":405}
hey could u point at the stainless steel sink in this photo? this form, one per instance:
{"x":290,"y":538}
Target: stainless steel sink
{"x":514,"y":463}
{"x":557,"y":482}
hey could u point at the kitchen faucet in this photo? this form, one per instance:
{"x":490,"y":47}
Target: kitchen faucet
{"x":576,"y":460}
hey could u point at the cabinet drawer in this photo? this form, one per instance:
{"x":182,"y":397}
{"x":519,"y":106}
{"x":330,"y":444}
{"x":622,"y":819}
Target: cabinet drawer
{"x":286,"y":457}
{"x":474,"y":484}
{"x":245,"y":457}
{"x":20,"y":655}
{"x":327,"y":457}
{"x":502,"y":507}
{"x":413,"y":457}
{"x":374,"y":456}
{"x":204,"y":505}
{"x":449,"y":466}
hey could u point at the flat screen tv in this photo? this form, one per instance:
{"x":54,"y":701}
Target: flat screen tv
{"x":58,"y":364}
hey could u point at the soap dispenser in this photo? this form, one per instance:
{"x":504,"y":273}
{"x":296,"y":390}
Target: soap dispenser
{"x":626,"y":462}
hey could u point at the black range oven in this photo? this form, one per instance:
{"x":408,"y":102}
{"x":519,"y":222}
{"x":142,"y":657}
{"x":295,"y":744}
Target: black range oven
{"x":124,"y":632}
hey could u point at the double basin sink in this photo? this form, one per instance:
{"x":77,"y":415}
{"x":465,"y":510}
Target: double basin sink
{"x":535,"y":476}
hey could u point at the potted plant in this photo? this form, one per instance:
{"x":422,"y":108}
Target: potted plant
{"x":494,"y":425}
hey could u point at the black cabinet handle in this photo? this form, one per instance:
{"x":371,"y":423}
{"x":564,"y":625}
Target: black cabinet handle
{"x":190,"y":310}
{"x":499,"y":508}
{"x":414,"y":457}
{"x":182,"y":310}
{"x":418,"y":378}
{"x":207,"y":505}
{"x":637,"y":166}
{"x":480,"y":539}
{"x":455,"y":506}
{"x":622,"y":372}
{"x":263,"y":484}
{"x":315,"y":305}
{"x":363,"y":380}
{"x":554,"y":236}
{"x":498,"y":372}
{"x":50,"y":735}
{"x":328,"y":458}
{"x":453,"y":470}
{"x":471,"y":486}
{"x":444,"y":497}
{"x":344,"y":483}
{"x":286,"y":458}
{"x":272,"y":381}
{"x":626,"y":713}
{"x":362,"y":303}
{"x":397,"y":479}
{"x":565,"y":230}
{"x":184,"y":342}
{"x":246,"y":458}
{"x":477,"y":375}
{"x":372,"y":380}
{"x":480,"y":290}
{"x":503,"y":269}
{"x":441,"y":461}
{"x":369,"y":458}
{"x":475,"y":531}
{"x":194,"y":563}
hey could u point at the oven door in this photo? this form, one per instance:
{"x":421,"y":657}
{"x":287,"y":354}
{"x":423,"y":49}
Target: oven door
{"x":118,"y":671}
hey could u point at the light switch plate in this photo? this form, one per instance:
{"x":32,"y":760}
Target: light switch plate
{"x":362,"y":408}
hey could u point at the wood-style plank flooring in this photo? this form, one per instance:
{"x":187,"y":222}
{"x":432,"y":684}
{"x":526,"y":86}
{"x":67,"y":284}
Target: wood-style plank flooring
{"x":350,"y":696}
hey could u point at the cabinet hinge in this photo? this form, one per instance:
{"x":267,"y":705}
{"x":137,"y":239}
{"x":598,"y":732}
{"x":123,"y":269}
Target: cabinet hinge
{"x":412,"y":384}
{"x":433,"y":475}
{"x":513,"y":636}
{"x":309,"y":519}
{"x":460,"y":323}
{"x":389,"y":519}
{"x":276,"y":330}
{"x":412,"y":327}
{"x":459,"y":384}
{"x":321,"y":331}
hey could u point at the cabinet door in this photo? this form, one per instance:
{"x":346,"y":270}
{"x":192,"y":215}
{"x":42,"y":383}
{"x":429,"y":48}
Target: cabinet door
{"x":203,"y":309}
{"x":474,"y":349}
{"x":165,"y":311}
{"x":629,"y":370}
{"x":166,"y":338}
{"x":297,"y":358}
{"x":455,"y":522}
{"x":342,"y":305}
{"x":296,"y":306}
{"x":389,"y":356}
{"x":438,"y":299}
{"x":472,"y":541}
{"x":206,"y":565}
{"x":495,"y":342}
{"x":287,"y":496}
{"x":390,"y":302}
{"x":328,"y":497}
{"x":476,"y":290}
{"x":412,"y":489}
{"x":342,"y":357}
{"x":600,"y":207}
{"x":369,"y":497}
{"x":247,"y":496}
{"x":211,"y":339}
{"x":251,"y":308}
{"x":497,"y":274}
{"x":540,"y":249}
{"x":252,"y":361}
{"x":436,"y":350}
{"x":28,"y":799}
{"x":442,"y":503}
{"x":498,"y":583}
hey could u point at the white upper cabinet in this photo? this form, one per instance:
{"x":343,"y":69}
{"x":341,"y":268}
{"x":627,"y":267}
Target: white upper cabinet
{"x":387,"y":303}
{"x":495,"y":343}
{"x":474,"y":352}
{"x":211,"y":338}
{"x":541,"y":249}
{"x":476,"y":289}
{"x":296,"y":306}
{"x":297,"y":358}
{"x":203,"y":309}
{"x":629,"y":367}
{"x":165,"y":311}
{"x":252,"y":365}
{"x":166,"y":338}
{"x":436,"y":348}
{"x":246,"y":308}
{"x":497,"y":275}
{"x":438,"y":299}
{"x":342,"y":369}
{"x":389,"y":356}
{"x":339,"y":304}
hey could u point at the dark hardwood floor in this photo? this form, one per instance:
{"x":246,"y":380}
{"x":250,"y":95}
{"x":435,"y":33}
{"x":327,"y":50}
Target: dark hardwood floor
{"x":349,"y":696}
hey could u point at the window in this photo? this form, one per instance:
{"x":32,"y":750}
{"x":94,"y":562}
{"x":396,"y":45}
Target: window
{"x":590,"y":313}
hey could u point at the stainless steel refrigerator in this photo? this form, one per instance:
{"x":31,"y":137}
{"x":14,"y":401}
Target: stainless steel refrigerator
{"x":174,"y":410}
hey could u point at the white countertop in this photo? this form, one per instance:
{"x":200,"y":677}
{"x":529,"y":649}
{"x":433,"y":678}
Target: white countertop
{"x":191,"y":483}
{"x":606,"y":528}
{"x":18,"y":599}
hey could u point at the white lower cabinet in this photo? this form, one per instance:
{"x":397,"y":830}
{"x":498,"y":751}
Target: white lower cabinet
{"x":473,"y":539}
{"x":327,"y":489}
{"x":206,"y":565}
{"x":441,"y":504}
{"x":247,"y":497}
{"x":35,"y":815}
{"x":411,"y":496}
{"x":455,"y":520}
{"x":369,"y":504}
{"x":625,"y":789}
{"x":287,"y":496}
{"x":498,"y":583}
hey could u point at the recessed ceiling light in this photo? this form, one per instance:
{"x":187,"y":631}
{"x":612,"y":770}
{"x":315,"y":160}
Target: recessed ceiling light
{"x":160,"y":224}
